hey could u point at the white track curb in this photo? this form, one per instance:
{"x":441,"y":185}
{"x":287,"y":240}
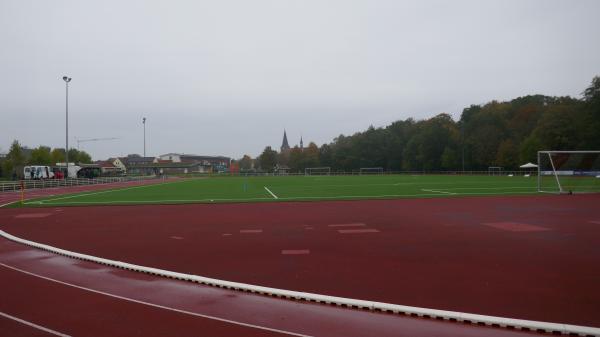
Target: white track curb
{"x":518,"y":324}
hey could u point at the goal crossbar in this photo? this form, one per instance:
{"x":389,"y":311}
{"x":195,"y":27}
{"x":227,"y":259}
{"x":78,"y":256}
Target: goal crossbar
{"x":324,"y":170}
{"x":371,"y":170}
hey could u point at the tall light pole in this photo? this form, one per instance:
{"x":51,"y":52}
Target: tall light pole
{"x":67,"y":80}
{"x":144,"y":122}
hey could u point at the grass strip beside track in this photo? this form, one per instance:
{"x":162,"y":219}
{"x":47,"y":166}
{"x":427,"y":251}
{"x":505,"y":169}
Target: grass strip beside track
{"x":297,"y":188}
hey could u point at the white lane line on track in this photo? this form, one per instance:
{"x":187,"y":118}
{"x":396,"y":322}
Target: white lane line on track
{"x":152,"y":304}
{"x":33,"y":325}
{"x":457,"y":316}
{"x":271,"y":193}
{"x":358,"y":224}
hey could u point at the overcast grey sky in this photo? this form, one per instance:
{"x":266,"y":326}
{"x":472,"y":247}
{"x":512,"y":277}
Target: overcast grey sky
{"x":226,"y":77}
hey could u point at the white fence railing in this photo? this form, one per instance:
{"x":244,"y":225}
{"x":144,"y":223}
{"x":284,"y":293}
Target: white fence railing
{"x":358,"y":172}
{"x":51,"y":183}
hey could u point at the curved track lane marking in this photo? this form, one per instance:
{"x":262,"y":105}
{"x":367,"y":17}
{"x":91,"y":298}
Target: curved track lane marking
{"x":33,"y":325}
{"x":151,"y":304}
{"x":476,"y":319}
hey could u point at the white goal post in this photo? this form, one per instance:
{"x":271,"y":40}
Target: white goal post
{"x":494,"y":171}
{"x":568,"y":172}
{"x":320,"y":171}
{"x":371,"y":170}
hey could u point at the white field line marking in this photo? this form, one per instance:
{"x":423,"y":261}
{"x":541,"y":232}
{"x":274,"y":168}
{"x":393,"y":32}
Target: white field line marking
{"x":441,"y":183}
{"x":565,"y":329}
{"x":151,"y":304}
{"x":33,"y":325}
{"x":436,"y":191}
{"x":490,"y":188}
{"x":12,"y":202}
{"x":291,"y":187}
{"x":104,"y":191}
{"x":271,"y":193}
{"x":279,"y":198}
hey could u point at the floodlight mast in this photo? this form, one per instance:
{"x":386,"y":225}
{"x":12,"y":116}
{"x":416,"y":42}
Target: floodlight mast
{"x":144,"y":122}
{"x":67,"y":80}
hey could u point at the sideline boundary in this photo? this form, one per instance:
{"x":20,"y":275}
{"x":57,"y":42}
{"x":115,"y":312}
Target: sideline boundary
{"x":47,"y":202}
{"x":503,"y":322}
{"x":78,"y":195}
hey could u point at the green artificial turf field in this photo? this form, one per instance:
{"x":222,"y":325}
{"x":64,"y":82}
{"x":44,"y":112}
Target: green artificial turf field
{"x":298,"y":188}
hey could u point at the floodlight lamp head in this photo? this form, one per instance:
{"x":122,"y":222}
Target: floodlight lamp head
{"x":144,"y":120}
{"x":66,"y":79}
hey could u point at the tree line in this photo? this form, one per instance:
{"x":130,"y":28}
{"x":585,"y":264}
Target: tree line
{"x":19,"y":156}
{"x":505,"y":134}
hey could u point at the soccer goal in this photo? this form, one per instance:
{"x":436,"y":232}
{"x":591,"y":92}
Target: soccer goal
{"x":317,"y":171}
{"x":494,"y":171}
{"x":371,"y":170}
{"x":568,"y":171}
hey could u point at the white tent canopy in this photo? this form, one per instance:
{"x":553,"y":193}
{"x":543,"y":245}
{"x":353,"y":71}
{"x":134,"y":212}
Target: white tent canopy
{"x":528,"y":165}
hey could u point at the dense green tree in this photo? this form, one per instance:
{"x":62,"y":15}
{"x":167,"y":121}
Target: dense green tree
{"x":397,"y":136}
{"x":591,"y":119}
{"x":84,"y":158}
{"x":508,"y":155}
{"x":529,"y":148}
{"x":41,"y":156}
{"x":296,"y":160}
{"x":505,"y":134}
{"x":14,"y":161}
{"x":326,"y":155}
{"x":268,"y":159}
{"x":58,"y":156}
{"x":79,"y":157}
{"x":311,"y":155}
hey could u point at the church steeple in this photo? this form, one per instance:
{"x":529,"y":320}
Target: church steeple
{"x":284,"y":145}
{"x":301,"y":144}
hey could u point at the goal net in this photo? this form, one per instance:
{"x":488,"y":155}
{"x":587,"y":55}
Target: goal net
{"x":317,"y":171}
{"x":494,"y":170}
{"x":371,"y":170}
{"x":568,"y":171}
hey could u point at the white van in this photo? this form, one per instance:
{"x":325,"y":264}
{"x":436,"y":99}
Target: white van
{"x":37,"y":172}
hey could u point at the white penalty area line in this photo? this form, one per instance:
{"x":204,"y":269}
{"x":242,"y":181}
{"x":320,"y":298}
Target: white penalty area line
{"x":144,"y":303}
{"x":271,"y":193}
{"x":33,"y":325}
{"x":437,"y":191}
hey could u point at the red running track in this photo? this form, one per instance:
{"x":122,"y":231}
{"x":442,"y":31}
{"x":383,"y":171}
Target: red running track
{"x":85,"y":299}
{"x":520,"y":257}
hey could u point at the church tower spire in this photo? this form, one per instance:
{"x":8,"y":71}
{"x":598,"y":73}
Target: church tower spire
{"x":301,"y":144}
{"x":284,"y":145}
